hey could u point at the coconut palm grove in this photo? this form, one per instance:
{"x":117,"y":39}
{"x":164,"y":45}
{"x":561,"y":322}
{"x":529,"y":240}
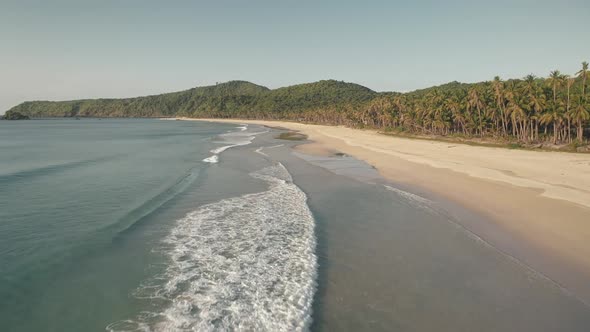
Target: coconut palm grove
{"x":532,"y":110}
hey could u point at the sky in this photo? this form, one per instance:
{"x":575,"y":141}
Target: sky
{"x":63,"y":50}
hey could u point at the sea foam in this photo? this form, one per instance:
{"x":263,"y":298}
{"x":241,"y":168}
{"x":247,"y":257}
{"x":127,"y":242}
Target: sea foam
{"x":234,"y":138}
{"x":241,"y":264}
{"x":213,"y":159}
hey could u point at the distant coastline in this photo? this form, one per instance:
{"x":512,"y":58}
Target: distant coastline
{"x":551,"y":111}
{"x":13,"y":115}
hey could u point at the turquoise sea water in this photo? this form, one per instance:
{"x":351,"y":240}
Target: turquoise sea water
{"x":148,"y":225}
{"x":68,"y":192}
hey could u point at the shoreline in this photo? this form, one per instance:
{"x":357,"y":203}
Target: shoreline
{"x":538,"y":202}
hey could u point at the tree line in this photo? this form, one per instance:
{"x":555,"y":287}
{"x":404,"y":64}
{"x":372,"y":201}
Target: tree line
{"x":532,"y":109}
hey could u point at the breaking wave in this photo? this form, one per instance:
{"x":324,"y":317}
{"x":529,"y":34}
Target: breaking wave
{"x":244,"y":264}
{"x":235,"y":138}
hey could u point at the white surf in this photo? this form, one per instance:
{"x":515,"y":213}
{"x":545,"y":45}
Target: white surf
{"x":241,"y":264}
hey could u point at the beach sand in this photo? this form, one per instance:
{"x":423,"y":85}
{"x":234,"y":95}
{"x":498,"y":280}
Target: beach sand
{"x":538,"y":202}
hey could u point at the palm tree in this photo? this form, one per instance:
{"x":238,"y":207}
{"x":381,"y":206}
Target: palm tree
{"x":453,"y":105}
{"x":554,"y":80}
{"x":511,"y":94}
{"x":579,"y":114}
{"x":530,"y":86}
{"x":536,"y":103}
{"x":473,"y":101}
{"x":569,"y":83}
{"x":517,"y":112}
{"x":500,"y":99}
{"x":554,"y":117}
{"x":583,"y":73}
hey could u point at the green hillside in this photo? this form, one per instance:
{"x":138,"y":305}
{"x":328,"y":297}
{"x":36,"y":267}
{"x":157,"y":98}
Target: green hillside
{"x":531,"y":109}
{"x":235,"y":98}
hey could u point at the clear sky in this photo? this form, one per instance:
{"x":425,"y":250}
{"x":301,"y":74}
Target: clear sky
{"x":56,"y":50}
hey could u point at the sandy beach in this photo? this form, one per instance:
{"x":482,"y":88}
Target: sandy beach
{"x":538,"y":203}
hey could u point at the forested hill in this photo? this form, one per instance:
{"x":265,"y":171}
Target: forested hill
{"x":185,"y":103}
{"x":231,"y":99}
{"x":532,"y":109}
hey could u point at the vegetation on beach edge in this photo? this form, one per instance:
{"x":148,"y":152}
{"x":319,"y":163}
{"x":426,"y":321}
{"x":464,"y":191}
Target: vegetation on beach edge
{"x":553,"y":111}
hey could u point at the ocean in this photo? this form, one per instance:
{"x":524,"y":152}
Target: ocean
{"x":150,"y":225}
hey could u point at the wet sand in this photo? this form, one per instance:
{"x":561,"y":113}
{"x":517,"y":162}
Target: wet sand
{"x":391,"y":260}
{"x":537,"y":203}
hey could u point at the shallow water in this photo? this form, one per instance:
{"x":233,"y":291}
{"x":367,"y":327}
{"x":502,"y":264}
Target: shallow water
{"x":168,"y":225}
{"x":393,"y":259}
